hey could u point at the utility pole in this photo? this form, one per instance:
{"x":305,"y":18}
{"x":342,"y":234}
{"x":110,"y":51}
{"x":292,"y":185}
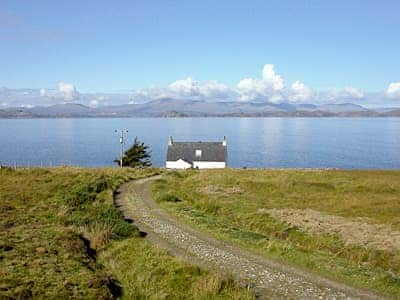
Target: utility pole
{"x":122,"y":143}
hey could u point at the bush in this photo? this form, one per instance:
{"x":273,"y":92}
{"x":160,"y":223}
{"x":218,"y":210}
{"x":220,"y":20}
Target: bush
{"x":110,"y":214}
{"x":169,"y":198}
{"x":98,"y":220}
{"x":124,"y":229}
{"x":86,"y":192}
{"x":79,"y":195}
{"x":100,"y":184}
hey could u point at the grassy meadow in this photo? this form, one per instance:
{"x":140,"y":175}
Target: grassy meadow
{"x":238,"y":205}
{"x":61,"y":237}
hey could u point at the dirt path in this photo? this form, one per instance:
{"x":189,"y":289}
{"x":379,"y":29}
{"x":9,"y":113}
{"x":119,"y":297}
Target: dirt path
{"x":268,"y":278}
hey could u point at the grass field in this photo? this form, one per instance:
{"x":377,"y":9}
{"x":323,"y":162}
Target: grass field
{"x":244,"y":207}
{"x":61,"y":237}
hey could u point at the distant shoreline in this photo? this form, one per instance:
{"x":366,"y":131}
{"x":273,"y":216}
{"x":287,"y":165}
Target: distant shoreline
{"x":193,"y":117}
{"x":171,"y":108}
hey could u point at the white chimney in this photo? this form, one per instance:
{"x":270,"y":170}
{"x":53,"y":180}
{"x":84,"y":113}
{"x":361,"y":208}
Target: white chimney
{"x":224,"y":141}
{"x":170,"y":141}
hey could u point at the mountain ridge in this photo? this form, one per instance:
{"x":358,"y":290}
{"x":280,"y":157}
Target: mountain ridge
{"x":193,"y":108}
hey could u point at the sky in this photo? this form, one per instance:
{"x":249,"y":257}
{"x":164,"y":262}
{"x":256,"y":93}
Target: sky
{"x":254,"y":50}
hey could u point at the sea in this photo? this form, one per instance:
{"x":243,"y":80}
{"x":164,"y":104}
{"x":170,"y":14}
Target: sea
{"x":345,"y":143}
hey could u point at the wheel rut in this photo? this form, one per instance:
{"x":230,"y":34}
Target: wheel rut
{"x":268,"y":278}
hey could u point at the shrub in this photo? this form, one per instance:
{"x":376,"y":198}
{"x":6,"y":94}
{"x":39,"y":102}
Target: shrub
{"x":169,"y":198}
{"x":79,"y":195}
{"x":124,"y":229}
{"x":98,"y":233}
{"x":86,"y":192}
{"x":101,"y":184}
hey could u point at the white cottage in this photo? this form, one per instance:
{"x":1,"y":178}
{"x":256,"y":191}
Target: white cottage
{"x":201,"y":155}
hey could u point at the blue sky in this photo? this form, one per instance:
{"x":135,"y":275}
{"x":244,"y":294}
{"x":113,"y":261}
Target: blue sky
{"x":119,"y":46}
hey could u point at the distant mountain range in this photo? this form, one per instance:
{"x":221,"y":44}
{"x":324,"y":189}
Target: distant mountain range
{"x":188,"y":108}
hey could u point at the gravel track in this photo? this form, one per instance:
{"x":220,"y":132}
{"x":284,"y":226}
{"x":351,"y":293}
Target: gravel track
{"x":268,"y":278}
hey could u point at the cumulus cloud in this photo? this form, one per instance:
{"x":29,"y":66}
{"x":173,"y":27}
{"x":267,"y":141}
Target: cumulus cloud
{"x":187,"y":88}
{"x":300,"y":92}
{"x":151,"y":93}
{"x":43,"y":93}
{"x":215,"y":90}
{"x":271,"y":78}
{"x":393,"y":91}
{"x":94,"y":103}
{"x":353,"y":93}
{"x":347,"y":94}
{"x":68,"y":91}
{"x":268,"y":88}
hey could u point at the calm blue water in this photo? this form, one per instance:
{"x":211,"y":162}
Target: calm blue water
{"x":252,"y":142}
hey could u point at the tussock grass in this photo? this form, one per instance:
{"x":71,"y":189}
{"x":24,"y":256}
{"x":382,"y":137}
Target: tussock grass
{"x":150,"y":273}
{"x":168,"y":198}
{"x":243,"y":218}
{"x":99,"y":234}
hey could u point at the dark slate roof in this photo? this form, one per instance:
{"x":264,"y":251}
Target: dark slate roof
{"x":211,"y":151}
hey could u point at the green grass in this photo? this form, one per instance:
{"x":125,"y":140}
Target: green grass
{"x":149,"y":273}
{"x":61,"y":237}
{"x":233,"y":205}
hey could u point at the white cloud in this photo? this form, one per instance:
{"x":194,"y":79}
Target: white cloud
{"x":185,"y":87}
{"x":27,"y":105}
{"x":271,"y":78}
{"x":347,"y":94}
{"x":300,"y":92}
{"x":188,"y":89}
{"x":94,"y":103}
{"x":393,"y":91}
{"x":215,"y":90}
{"x":267,"y":88}
{"x":276,"y":98}
{"x":68,"y":91}
{"x":353,"y":93}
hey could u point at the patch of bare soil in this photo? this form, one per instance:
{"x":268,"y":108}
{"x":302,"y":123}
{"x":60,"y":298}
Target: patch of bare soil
{"x":217,"y":190}
{"x":352,"y":231}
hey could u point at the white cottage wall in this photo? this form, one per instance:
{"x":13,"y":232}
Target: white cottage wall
{"x":179,"y":164}
{"x":209,"y":164}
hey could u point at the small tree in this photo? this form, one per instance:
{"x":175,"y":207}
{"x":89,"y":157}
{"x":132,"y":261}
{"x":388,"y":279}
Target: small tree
{"x":136,"y":156}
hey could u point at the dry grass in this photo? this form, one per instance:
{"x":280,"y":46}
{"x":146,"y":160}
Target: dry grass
{"x":217,"y":190}
{"x":244,"y":217}
{"x":150,"y":273}
{"x":213,"y":284}
{"x":99,"y":234}
{"x":355,"y":231}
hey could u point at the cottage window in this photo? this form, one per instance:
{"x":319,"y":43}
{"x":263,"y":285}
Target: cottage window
{"x":198,"y":153}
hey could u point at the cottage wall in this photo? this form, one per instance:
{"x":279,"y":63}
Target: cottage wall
{"x":209,"y":164}
{"x":179,"y":164}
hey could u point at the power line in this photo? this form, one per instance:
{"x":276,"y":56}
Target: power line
{"x":122,"y":143}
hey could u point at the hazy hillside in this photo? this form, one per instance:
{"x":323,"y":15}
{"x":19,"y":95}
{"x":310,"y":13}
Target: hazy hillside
{"x":185,"y":108}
